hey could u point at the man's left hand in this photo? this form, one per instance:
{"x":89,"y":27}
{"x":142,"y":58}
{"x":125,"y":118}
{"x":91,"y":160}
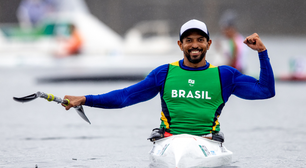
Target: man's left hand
{"x":255,"y":43}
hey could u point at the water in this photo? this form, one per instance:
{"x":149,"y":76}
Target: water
{"x":263,"y":133}
{"x":44,"y":134}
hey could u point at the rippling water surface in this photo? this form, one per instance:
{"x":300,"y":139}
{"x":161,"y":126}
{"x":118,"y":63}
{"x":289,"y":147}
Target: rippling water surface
{"x":262,"y":133}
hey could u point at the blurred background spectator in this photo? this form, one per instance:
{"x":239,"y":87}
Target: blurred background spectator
{"x":31,"y":12}
{"x":71,"y":44}
{"x":235,"y":49}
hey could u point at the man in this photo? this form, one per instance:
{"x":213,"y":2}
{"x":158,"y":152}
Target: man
{"x":236,"y":50}
{"x":71,"y":45}
{"x":192,"y":91}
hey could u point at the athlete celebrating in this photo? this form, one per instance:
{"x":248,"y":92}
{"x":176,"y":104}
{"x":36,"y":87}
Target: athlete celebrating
{"x":192,"y":91}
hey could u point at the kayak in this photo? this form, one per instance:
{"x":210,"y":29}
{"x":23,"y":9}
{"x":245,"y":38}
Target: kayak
{"x":180,"y":151}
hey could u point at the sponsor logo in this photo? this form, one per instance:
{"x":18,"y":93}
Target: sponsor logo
{"x":204,"y":150}
{"x":164,"y":149}
{"x":193,"y":95}
{"x":152,"y":151}
{"x":191,"y":82}
{"x":213,"y":152}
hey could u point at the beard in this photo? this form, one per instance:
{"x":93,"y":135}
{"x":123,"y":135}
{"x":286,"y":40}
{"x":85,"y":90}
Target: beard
{"x":197,"y":60}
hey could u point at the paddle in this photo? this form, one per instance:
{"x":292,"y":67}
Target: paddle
{"x":51,"y":97}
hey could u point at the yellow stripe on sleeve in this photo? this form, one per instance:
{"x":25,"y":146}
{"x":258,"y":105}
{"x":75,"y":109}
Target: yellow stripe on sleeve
{"x":164,"y":119}
{"x":211,"y":66}
{"x":216,"y":123}
{"x":176,"y":63}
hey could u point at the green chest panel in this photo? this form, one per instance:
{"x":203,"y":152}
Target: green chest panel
{"x":192,"y":99}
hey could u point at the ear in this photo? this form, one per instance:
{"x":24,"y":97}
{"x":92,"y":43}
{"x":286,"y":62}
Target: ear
{"x":179,"y":43}
{"x":209,"y":42}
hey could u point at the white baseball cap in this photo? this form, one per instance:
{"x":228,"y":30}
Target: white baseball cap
{"x":194,"y":24}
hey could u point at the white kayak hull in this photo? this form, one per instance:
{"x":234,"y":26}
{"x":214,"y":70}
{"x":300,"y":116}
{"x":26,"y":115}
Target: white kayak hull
{"x":180,"y":151}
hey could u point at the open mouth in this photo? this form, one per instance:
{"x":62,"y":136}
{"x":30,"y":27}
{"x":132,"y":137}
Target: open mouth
{"x":195,"y":51}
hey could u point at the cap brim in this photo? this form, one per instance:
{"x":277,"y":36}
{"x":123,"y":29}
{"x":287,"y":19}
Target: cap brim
{"x":188,"y":31}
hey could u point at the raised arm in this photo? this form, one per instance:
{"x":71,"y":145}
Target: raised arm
{"x":245,"y":86}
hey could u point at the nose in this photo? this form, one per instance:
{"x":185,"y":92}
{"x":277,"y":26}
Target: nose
{"x":195,"y":44}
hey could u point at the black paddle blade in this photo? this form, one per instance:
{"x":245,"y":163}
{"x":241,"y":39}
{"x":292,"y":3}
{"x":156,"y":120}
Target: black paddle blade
{"x":26,"y":98}
{"x":80,"y":111}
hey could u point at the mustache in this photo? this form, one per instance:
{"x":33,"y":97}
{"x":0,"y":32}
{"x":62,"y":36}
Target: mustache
{"x":199,"y":49}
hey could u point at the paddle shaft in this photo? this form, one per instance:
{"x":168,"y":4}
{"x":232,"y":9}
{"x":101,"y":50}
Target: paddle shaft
{"x":51,"y":97}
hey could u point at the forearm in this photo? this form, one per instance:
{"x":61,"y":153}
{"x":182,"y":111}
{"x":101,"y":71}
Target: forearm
{"x":139,"y":92}
{"x":123,"y":97}
{"x":250,"y":88}
{"x":266,"y":77}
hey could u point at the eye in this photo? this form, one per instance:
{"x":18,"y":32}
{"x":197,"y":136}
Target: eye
{"x":201,"y":40}
{"x":188,"y":40}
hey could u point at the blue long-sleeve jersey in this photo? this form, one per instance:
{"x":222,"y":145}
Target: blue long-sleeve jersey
{"x":232,"y":82}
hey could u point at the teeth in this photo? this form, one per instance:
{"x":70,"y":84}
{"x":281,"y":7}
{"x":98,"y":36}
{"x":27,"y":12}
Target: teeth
{"x":194,"y":52}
